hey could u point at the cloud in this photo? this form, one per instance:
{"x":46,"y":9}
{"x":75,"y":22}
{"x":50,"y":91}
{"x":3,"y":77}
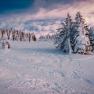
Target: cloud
{"x":45,"y":9}
{"x":86,"y":7}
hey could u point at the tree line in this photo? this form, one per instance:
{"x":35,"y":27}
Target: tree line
{"x":14,"y":35}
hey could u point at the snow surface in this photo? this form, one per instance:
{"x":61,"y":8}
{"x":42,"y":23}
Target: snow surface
{"x":39,"y":68}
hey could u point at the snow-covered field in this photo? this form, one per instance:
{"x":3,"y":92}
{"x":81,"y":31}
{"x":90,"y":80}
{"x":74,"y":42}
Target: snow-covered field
{"x":39,"y":68}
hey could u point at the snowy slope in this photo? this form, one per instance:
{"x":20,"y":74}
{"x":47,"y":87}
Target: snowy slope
{"x":39,"y":68}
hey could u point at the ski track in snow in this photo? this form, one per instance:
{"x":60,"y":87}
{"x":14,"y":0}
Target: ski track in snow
{"x":39,"y":68}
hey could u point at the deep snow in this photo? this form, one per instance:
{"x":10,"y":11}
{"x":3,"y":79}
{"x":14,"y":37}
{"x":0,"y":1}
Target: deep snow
{"x":39,"y":68}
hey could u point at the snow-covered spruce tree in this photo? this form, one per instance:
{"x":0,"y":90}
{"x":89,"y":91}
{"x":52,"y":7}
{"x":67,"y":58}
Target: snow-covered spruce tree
{"x":62,"y":40}
{"x":74,"y":36}
{"x":82,"y":40}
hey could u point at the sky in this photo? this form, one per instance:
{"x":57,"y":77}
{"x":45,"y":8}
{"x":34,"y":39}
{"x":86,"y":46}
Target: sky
{"x":16,"y":5}
{"x":42,"y":9}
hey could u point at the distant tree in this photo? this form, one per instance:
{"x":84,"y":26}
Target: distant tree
{"x":8,"y":33}
{"x":34,"y":37}
{"x":2,"y":33}
{"x":29,"y":37}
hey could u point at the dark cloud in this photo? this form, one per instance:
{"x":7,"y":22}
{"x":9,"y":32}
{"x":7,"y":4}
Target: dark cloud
{"x":7,"y":6}
{"x":42,"y":9}
{"x":14,"y":5}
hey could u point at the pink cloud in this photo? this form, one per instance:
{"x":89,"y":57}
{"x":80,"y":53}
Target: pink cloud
{"x":86,"y":7}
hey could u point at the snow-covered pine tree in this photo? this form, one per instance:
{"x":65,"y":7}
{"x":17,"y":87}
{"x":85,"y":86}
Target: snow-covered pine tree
{"x":91,"y":36}
{"x":82,"y":39}
{"x":74,"y":36}
{"x":62,"y":40}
